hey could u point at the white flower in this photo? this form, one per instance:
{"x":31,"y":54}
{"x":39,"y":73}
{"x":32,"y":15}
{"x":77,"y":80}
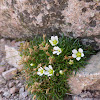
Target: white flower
{"x":71,"y":62}
{"x":61,"y":72}
{"x":77,"y":54}
{"x":57,"y":50}
{"x":49,"y":70}
{"x":54,"y":40}
{"x":40,"y":71}
{"x":32,"y":64}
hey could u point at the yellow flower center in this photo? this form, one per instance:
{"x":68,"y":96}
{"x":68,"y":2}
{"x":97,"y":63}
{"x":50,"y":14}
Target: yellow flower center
{"x":54,"y":42}
{"x":41,"y":71}
{"x":58,"y":50}
{"x":50,"y":71}
{"x":78,"y":54}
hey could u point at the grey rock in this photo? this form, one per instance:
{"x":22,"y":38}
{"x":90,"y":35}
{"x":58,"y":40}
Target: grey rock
{"x":11,"y":84}
{"x":21,"y":90}
{"x":14,"y":90}
{"x":2,"y":80}
{"x":2,"y":69}
{"x":87,"y":76}
{"x":19,"y":85}
{"x":93,"y":68}
{"x":13,"y":56}
{"x":23,"y":95}
{"x":1,"y":97}
{"x":7,"y":94}
{"x":9,"y":74}
{"x":2,"y":63}
{"x":27,"y":18}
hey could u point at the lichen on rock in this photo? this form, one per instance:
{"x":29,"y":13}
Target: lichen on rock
{"x":26,"y":18}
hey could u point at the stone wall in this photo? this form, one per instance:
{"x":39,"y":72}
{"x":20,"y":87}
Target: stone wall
{"x":26,"y":18}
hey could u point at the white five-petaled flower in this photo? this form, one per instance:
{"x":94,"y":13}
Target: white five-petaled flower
{"x":40,"y":71}
{"x":49,"y":71}
{"x":54,"y":40}
{"x":57,"y":50}
{"x":77,"y":54}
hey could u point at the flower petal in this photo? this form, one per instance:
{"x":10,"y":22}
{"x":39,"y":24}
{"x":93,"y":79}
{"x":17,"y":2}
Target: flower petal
{"x":56,"y":48}
{"x":80,"y":50}
{"x":52,"y":38}
{"x":54,"y":52}
{"x":51,"y":42}
{"x":58,"y":53}
{"x":78,"y":58}
{"x":46,"y":72}
{"x":82,"y":54}
{"x":50,"y":67}
{"x":46,"y":68}
{"x":74,"y":55}
{"x":41,"y":74}
{"x":38,"y":73}
{"x":74,"y":51}
{"x":49,"y":74}
{"x":39,"y":69}
{"x":56,"y":37}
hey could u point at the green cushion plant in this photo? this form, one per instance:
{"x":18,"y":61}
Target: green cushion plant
{"x":48,"y":63}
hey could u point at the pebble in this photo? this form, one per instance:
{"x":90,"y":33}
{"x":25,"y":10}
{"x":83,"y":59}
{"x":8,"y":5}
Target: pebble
{"x":2,"y":63}
{"x":23,"y":95}
{"x":14,"y":90}
{"x":7,"y":94}
{"x":11,"y":84}
{"x":2,"y":80}
{"x":17,"y":81}
{"x":20,"y":84}
{"x":1,"y":70}
{"x":83,"y":95}
{"x":1,"y":97}
{"x":21,"y":90}
{"x":9,"y":74}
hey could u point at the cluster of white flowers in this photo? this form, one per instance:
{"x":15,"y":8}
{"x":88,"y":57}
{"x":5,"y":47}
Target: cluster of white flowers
{"x":54,"y":41}
{"x":56,"y":50}
{"x":46,"y":71}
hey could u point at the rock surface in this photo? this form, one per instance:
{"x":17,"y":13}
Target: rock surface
{"x":26,"y":18}
{"x":13,"y":56}
{"x":2,"y":69}
{"x":2,"y":80}
{"x":14,"y":90}
{"x":9,"y":90}
{"x":86,"y":77}
{"x":9,"y":74}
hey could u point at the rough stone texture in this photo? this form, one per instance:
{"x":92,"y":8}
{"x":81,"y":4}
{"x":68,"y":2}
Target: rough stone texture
{"x":7,"y":94}
{"x":25,"y":18}
{"x":13,"y":56}
{"x":17,"y":82}
{"x":14,"y":90}
{"x":86,"y":77}
{"x":9,"y":74}
{"x":1,"y":70}
{"x":1,"y":98}
{"x":2,"y":80}
{"x":11,"y":84}
{"x":79,"y":98}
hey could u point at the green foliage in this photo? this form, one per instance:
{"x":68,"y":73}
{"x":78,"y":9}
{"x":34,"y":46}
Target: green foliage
{"x":53,"y":87}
